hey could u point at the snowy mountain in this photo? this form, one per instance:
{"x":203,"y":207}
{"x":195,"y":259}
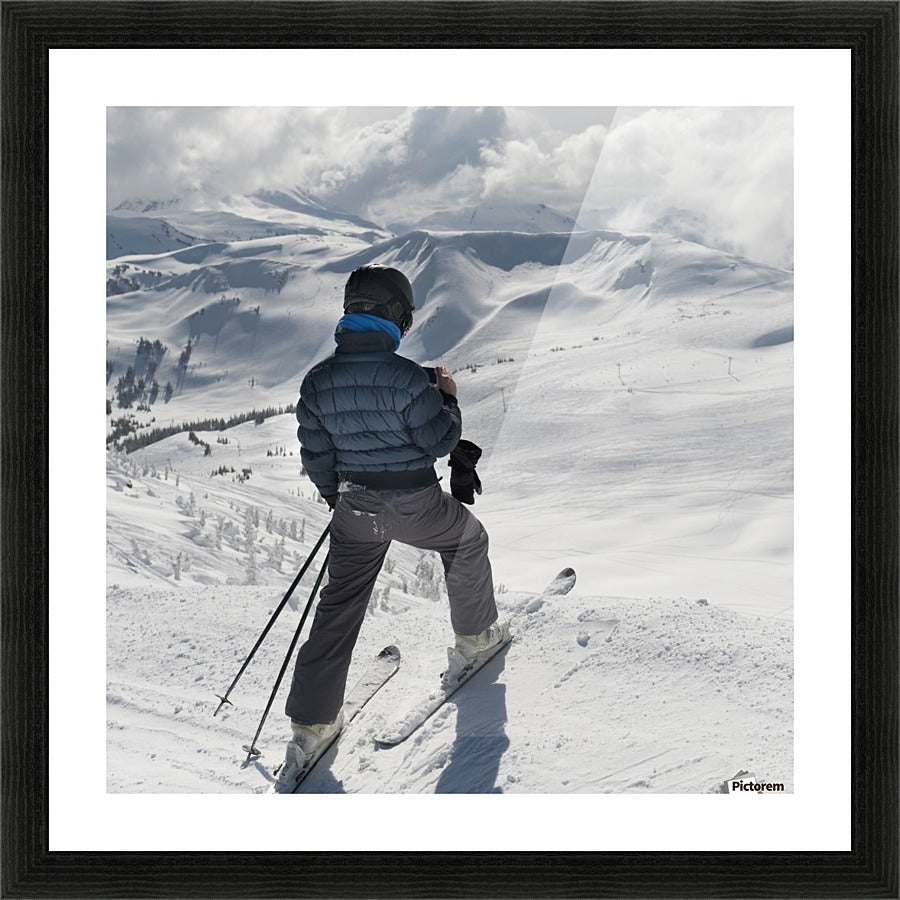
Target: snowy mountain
{"x":126,"y":235}
{"x":134,"y":226}
{"x":531,"y":218}
{"x":633,"y":396}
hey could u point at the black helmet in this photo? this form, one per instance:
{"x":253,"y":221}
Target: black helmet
{"x":380,"y":291}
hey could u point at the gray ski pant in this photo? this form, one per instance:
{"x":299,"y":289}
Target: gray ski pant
{"x":363,"y":525}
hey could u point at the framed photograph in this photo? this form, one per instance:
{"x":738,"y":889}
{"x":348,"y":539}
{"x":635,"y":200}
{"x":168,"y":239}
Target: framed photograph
{"x":659,"y":203}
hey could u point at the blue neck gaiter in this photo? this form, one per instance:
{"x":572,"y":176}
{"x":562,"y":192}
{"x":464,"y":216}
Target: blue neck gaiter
{"x":365,"y":322}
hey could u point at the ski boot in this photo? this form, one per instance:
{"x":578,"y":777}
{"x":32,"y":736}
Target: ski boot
{"x":303,"y":748}
{"x":471,"y":649}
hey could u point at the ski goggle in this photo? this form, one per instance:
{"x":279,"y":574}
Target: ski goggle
{"x":395,"y":311}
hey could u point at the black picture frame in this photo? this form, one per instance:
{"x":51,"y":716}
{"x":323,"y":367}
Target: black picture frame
{"x":30,"y":28}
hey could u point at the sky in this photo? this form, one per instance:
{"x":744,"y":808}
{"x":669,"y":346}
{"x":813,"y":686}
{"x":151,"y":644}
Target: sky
{"x":720,"y":176}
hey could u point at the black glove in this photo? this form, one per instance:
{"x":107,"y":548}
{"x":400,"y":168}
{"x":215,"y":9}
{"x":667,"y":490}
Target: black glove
{"x":464,"y":480}
{"x":331,"y":500}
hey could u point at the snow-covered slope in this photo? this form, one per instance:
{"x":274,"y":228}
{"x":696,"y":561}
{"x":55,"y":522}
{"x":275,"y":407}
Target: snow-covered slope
{"x":598,"y":693}
{"x":531,"y":218}
{"x":154,"y":226}
{"x":633,"y":396}
{"x":127,"y":235}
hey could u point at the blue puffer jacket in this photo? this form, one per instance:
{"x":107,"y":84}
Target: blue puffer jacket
{"x":371,"y":417}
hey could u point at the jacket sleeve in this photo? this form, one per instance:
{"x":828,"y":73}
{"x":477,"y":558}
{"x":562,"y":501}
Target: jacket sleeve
{"x":434,"y":421}
{"x":317,"y":451}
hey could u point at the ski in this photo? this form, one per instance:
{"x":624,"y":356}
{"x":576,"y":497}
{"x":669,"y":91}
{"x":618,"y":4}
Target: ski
{"x":379,"y":671}
{"x":416,"y":717}
{"x":435,"y":700}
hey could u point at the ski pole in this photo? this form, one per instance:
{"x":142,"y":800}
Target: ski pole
{"x":224,"y":699}
{"x":251,"y":748}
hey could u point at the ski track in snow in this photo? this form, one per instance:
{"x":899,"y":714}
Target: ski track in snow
{"x":594,"y":695}
{"x":633,"y":396}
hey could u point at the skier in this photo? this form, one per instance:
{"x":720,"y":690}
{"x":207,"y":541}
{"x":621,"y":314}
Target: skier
{"x":371,"y":427}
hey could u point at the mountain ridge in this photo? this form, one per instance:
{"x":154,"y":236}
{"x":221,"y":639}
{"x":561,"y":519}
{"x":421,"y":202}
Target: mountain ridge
{"x":632,"y":394}
{"x":592,"y":337}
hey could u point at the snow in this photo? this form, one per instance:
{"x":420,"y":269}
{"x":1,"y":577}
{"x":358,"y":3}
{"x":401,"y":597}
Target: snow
{"x":141,"y":226}
{"x":633,"y":396}
{"x":536,"y":218}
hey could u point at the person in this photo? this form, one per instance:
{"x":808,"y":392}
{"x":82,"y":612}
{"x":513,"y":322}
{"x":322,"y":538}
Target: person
{"x":371,"y":426}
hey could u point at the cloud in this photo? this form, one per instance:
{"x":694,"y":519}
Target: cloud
{"x":411,"y":157}
{"x":731,"y":168}
{"x":727,"y":174}
{"x":353,"y":157}
{"x":507,"y":168}
{"x":156,"y":153}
